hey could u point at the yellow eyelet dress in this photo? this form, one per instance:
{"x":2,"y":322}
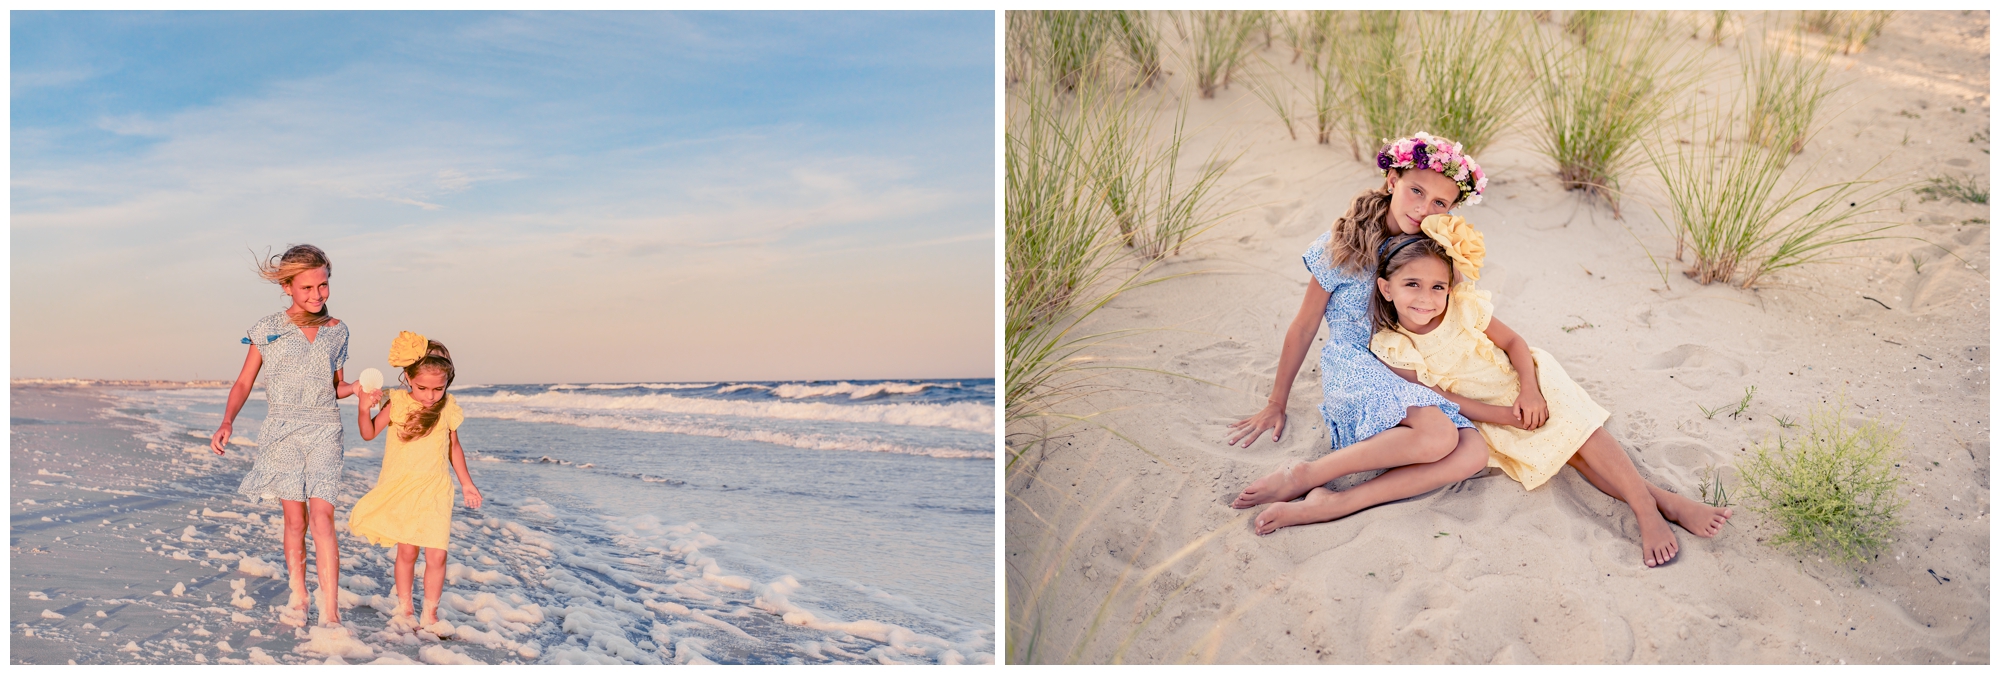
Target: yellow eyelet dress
{"x":412,"y":499}
{"x":1458,"y":357}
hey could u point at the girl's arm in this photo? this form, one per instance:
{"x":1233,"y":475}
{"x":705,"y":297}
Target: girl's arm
{"x":464,"y":477}
{"x":1298,"y":339}
{"x":238,"y":393}
{"x":1471,"y":409}
{"x":343,"y":389}
{"x":1532,"y":409}
{"x":370,"y":424}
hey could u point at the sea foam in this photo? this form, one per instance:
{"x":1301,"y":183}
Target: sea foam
{"x":962,"y":416}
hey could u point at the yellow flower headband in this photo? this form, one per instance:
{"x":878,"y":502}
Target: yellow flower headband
{"x":407,"y":349}
{"x":1465,"y":245}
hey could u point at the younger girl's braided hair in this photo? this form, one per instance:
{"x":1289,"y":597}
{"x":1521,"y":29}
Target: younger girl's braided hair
{"x":1396,"y":252}
{"x":281,"y":268}
{"x":419,"y":423}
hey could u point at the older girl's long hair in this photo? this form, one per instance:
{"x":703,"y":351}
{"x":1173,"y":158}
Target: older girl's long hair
{"x":1396,"y":252}
{"x":1359,"y":234}
{"x":420,"y":422}
{"x":281,"y":268}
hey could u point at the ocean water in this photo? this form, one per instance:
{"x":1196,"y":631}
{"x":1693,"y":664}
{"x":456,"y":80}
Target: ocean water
{"x":749,"y":522}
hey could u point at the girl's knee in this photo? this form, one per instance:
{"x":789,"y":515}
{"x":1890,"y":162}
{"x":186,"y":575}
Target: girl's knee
{"x":434,"y":555}
{"x":1469,"y":455}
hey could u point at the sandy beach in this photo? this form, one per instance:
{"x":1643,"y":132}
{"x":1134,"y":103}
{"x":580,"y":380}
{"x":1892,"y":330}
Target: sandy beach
{"x":1484,"y":571}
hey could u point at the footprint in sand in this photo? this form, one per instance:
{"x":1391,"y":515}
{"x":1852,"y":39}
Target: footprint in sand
{"x":1695,"y":366}
{"x":1633,"y":427}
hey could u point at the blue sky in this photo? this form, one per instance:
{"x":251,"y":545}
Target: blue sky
{"x":558,"y":197}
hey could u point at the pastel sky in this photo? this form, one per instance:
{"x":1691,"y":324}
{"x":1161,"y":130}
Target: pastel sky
{"x":563,"y":197}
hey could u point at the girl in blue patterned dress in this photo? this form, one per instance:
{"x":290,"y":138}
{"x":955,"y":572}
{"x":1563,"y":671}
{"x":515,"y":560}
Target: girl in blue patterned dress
{"x":299,"y":448}
{"x":1378,"y":420}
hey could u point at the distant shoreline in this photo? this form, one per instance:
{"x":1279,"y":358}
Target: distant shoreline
{"x":71,"y":382}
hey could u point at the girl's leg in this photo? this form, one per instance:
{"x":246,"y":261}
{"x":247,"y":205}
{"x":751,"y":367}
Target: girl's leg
{"x":1426,"y":435}
{"x":1604,"y":463}
{"x":295,"y":550}
{"x":326,"y":549}
{"x":406,"y":578}
{"x":434,"y":568}
{"x":1466,"y":459}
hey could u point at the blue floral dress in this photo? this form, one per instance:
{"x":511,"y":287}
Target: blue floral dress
{"x":1362,"y":397}
{"x":299,"y":447}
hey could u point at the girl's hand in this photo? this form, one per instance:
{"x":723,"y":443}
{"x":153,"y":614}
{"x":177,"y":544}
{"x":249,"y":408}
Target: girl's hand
{"x":1272,"y":417}
{"x":220,"y":438}
{"x":367,"y":399}
{"x":472,"y":499}
{"x":1530,"y":411}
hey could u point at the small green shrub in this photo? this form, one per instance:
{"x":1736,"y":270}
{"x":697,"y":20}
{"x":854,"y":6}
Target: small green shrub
{"x":1833,"y":490}
{"x":1953,"y":187}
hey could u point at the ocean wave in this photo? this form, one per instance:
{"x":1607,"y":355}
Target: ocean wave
{"x":669,"y":385}
{"x":741,"y":387}
{"x":962,"y":416}
{"x":855,"y":391}
{"x":802,"y":441}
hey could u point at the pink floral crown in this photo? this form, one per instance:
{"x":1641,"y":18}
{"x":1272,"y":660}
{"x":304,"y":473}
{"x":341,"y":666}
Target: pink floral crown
{"x":1436,"y":153}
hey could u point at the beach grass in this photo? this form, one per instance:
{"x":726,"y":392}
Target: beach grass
{"x":1137,"y":36}
{"x":1217,"y":42}
{"x":1849,"y":30}
{"x":1832,"y":490}
{"x":1276,"y":91}
{"x":1731,"y":206}
{"x":1588,"y":23}
{"x":1469,"y":83}
{"x":1713,"y":492}
{"x":1370,"y":58}
{"x":1600,"y":101}
{"x":1021,"y":27}
{"x":1070,"y":45}
{"x":1309,"y":33}
{"x":1094,"y":198}
{"x":1787,"y":84}
{"x":1952,"y":187}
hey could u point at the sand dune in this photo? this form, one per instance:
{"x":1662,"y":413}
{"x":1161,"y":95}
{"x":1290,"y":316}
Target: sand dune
{"x":1483,"y":571}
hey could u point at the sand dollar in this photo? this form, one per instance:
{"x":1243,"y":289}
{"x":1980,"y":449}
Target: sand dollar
{"x":371,"y":379}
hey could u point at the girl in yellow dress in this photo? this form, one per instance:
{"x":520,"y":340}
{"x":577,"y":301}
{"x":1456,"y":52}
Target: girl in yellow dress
{"x":410,"y":506}
{"x":1444,"y":336}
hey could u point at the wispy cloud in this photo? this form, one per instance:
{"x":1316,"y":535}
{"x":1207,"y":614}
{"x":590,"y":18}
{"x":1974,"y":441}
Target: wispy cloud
{"x":533,"y":182}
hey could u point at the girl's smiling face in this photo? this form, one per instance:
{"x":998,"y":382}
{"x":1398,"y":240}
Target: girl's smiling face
{"x":309,"y":290}
{"x":1417,"y":194}
{"x":1419,"y":290}
{"x":427,"y":387}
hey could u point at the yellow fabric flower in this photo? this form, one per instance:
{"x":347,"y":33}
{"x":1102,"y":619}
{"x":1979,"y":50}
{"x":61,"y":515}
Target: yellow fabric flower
{"x":1465,"y":244}
{"x":407,"y":349}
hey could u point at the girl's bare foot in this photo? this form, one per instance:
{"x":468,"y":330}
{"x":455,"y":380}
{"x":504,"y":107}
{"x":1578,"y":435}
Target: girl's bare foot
{"x":297,"y":603}
{"x":1319,"y":506}
{"x":1279,"y":486}
{"x":1701,"y":519}
{"x":329,"y":607}
{"x":1656,"y":539}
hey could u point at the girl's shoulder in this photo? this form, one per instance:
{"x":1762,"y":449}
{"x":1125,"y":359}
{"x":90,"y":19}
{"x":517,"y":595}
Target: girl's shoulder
{"x":1319,"y":262}
{"x":266,"y":329}
{"x":1472,"y":307}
